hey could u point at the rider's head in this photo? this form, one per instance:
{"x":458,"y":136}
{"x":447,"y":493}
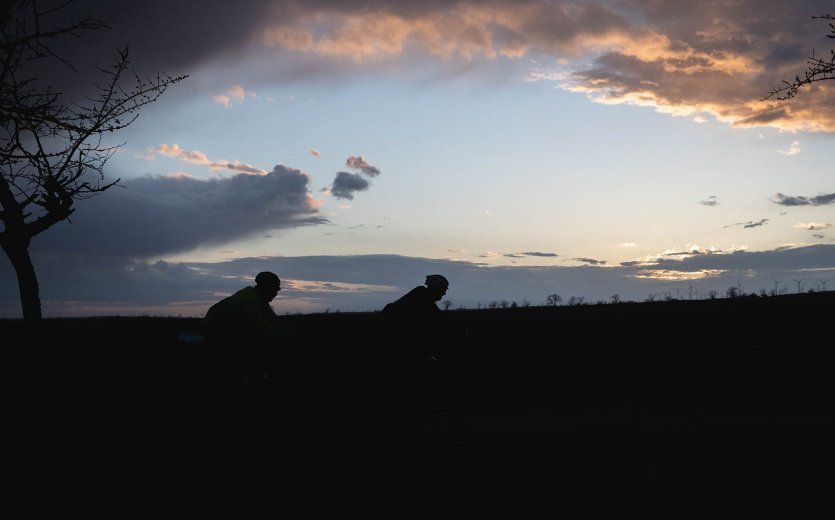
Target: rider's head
{"x":267,"y":284}
{"x":437,"y":285}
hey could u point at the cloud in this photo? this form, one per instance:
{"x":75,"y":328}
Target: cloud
{"x":104,"y":285}
{"x":156,"y":215}
{"x":359,"y":163}
{"x":590,"y":261}
{"x":315,"y":153}
{"x":346,"y":184}
{"x":711,"y":201}
{"x":755,"y":224}
{"x":793,"y":149}
{"x":538,"y":253}
{"x":236,"y":93}
{"x":700,"y":59}
{"x":787,"y":200}
{"x":813,"y":226}
{"x":749,"y":224}
{"x":197,"y":157}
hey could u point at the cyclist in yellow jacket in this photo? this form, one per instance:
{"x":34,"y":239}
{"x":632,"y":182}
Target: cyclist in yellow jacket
{"x":245,"y":326}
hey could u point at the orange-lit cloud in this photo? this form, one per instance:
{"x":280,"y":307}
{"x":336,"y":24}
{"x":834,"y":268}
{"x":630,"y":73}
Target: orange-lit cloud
{"x":198,"y":157}
{"x":702,"y":60}
{"x":234,"y":93}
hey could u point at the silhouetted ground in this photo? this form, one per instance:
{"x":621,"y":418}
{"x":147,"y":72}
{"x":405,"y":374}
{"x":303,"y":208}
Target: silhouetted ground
{"x":536,"y":403}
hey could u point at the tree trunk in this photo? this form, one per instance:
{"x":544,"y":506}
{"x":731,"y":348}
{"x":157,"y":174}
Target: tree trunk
{"x":27,"y":281}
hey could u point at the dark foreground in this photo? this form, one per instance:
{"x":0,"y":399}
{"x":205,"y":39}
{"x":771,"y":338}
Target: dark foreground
{"x":539,"y":404}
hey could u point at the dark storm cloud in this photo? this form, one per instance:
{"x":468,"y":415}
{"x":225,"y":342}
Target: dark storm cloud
{"x":346,"y":184}
{"x":787,"y":200}
{"x":156,"y":215}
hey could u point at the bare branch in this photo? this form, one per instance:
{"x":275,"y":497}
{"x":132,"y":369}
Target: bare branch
{"x":819,"y":69}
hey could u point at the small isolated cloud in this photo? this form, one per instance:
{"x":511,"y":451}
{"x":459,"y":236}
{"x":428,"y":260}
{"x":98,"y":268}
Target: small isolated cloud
{"x":590,"y":261}
{"x":755,"y":224}
{"x":710,"y":201}
{"x":789,"y":200}
{"x":793,"y":149}
{"x":234,"y":93}
{"x":346,"y":184}
{"x":531,"y":253}
{"x":315,"y":153}
{"x":819,"y":235}
{"x":812,"y":226}
{"x":749,"y":224}
{"x":359,"y":163}
{"x":223,"y":100}
{"x":627,"y":244}
{"x":538,"y":253}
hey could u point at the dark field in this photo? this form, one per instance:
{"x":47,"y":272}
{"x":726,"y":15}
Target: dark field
{"x":533,"y":404}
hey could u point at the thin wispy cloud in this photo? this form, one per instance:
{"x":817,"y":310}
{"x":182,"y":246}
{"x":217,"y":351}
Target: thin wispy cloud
{"x":710,"y":201}
{"x":589,"y":261}
{"x":198,"y":157}
{"x":749,"y":224}
{"x":536,"y":254}
{"x":755,"y":224}
{"x":813,"y":226}
{"x":539,"y":254}
{"x":789,"y":200}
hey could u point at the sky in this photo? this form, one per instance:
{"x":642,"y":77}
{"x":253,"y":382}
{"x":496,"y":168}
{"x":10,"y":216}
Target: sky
{"x":520,"y":148}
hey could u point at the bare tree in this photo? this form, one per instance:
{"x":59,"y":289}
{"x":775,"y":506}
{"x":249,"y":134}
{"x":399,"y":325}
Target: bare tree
{"x":447,"y":304}
{"x":819,"y":69}
{"x":553,"y":300}
{"x":52,"y":152}
{"x":575,"y":301}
